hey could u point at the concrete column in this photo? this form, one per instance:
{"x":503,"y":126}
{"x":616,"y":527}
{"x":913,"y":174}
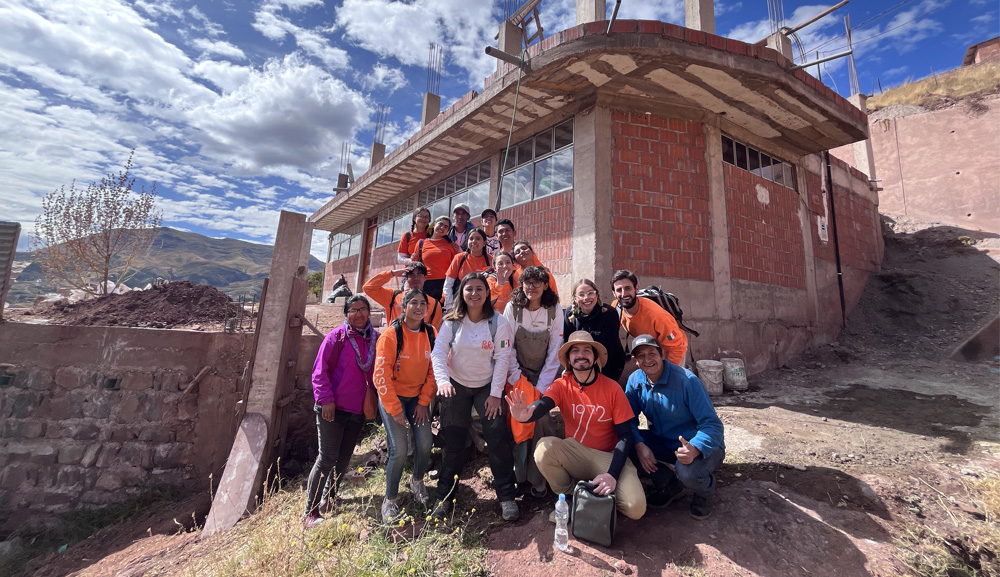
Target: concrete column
{"x":591,"y":11}
{"x":700,"y":15}
{"x":431,"y":108}
{"x":864,"y":156}
{"x":9,"y":234}
{"x":511,"y":41}
{"x":721,"y":266}
{"x":496,"y":173}
{"x":807,"y":222}
{"x":782,"y":44}
{"x":593,"y":240}
{"x":378,"y":153}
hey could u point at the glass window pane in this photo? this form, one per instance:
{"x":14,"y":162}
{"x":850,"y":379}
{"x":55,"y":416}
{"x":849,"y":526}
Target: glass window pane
{"x":479,"y":198}
{"x":509,"y":158}
{"x":517,"y":187}
{"x":754,"y":163}
{"x":765,"y":166}
{"x":462,"y":197}
{"x":777,"y":172}
{"x":355,"y":246}
{"x":563,"y":134}
{"x":728,"y":151}
{"x":543,"y":143}
{"x":448,"y":186}
{"x":524,"y":152}
{"x":554,"y":174}
{"x":460,"y":180}
{"x":401,"y":226}
{"x":741,"y":156}
{"x":383,"y":235}
{"x":472,"y":175}
{"x":440,"y":208}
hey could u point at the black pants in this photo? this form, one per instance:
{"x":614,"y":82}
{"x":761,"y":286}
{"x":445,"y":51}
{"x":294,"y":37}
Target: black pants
{"x":456,"y":416}
{"x":435,"y":288}
{"x":337,"y":440}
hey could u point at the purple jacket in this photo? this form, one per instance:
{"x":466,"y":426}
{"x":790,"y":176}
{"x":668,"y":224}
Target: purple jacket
{"x":336,"y":375}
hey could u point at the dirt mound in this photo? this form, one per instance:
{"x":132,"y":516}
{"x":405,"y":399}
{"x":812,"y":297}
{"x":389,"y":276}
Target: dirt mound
{"x":172,"y":305}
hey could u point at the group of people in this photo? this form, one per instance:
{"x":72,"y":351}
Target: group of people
{"x":479,"y":326}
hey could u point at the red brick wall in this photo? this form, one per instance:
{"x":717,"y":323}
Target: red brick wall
{"x":660,"y":186}
{"x":346,"y":266}
{"x":856,"y":222}
{"x":384,"y":258}
{"x":547,"y":223}
{"x":765,"y":239}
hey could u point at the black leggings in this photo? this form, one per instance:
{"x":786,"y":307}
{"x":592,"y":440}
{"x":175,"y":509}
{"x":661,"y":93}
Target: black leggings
{"x":337,"y":440}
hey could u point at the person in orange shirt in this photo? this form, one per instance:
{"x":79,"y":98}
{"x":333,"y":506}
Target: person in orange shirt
{"x":641,"y":316}
{"x":405,"y":383}
{"x":475,"y":259}
{"x":436,"y":252}
{"x":418,"y":230}
{"x":502,"y":280}
{"x":392,"y":300}
{"x":524,"y":257}
{"x":599,"y":433}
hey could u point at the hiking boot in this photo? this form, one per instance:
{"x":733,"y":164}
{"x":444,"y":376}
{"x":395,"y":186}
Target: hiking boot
{"x":701,"y":507}
{"x":419,"y":491}
{"x":538,"y":493}
{"x":390,"y":510}
{"x":659,"y":498}
{"x":312,"y":518}
{"x":443,"y":510}
{"x":509,"y":511}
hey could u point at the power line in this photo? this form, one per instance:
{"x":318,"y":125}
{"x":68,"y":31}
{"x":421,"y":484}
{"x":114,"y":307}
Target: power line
{"x":888,"y":30}
{"x":888,"y":10}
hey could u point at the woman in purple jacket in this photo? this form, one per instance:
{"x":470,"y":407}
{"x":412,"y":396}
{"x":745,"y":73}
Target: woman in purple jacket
{"x":341,"y":377}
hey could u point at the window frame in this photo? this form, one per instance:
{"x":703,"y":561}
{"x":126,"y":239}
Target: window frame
{"x":516,"y":162}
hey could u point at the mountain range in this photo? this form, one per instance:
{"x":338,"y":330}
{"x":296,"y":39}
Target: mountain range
{"x":235,"y":267}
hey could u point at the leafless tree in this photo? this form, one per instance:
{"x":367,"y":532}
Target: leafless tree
{"x":87,"y":238}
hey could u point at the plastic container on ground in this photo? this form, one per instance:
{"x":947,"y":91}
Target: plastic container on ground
{"x":712,"y":376}
{"x":735,"y":374}
{"x":561,"y":541}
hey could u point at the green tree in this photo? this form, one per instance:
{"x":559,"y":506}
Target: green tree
{"x":315,"y":280}
{"x":87,"y":238}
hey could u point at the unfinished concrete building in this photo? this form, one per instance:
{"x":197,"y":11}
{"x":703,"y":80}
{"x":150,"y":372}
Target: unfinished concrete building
{"x":694,"y":160}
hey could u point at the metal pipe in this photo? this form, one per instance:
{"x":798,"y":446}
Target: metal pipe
{"x":505,"y":56}
{"x":614,"y":15}
{"x":822,"y":60}
{"x":786,"y":31}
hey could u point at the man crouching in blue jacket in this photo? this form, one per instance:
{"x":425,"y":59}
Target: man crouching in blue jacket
{"x":684,"y":429}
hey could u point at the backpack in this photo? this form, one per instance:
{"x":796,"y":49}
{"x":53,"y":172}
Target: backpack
{"x":397,"y":325}
{"x":493,"y":329}
{"x":666,"y":301}
{"x":461,"y":263}
{"x":420,"y":250}
{"x":396,"y":293}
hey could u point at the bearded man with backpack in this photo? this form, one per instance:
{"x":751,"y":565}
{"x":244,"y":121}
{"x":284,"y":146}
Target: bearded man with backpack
{"x":641,"y":316}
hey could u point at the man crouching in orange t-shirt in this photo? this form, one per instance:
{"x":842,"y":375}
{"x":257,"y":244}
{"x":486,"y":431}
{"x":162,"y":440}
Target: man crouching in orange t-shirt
{"x":597,"y":416}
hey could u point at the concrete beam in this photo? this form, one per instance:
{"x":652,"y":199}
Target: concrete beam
{"x":782,"y":44}
{"x":378,"y":153}
{"x":721,"y":265}
{"x":700,"y":15}
{"x":864,"y":155}
{"x":511,"y":41}
{"x":590,"y":11}
{"x":431,"y":108}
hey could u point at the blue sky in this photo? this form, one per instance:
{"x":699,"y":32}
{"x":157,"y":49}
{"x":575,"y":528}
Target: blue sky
{"x":241,"y":109}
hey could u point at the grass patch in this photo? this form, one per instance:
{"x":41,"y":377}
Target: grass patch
{"x":946,"y":87}
{"x":75,"y":526}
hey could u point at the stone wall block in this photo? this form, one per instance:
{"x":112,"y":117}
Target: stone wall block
{"x":172,"y":456}
{"x":22,"y":429}
{"x":44,"y":454}
{"x":156,"y":434}
{"x":184,"y":433}
{"x":170,"y":381}
{"x":96,"y":407}
{"x":34,"y":378}
{"x":109,"y":453}
{"x":128,"y":410}
{"x":25,"y":404}
{"x":70,"y":479}
{"x":137,"y":455}
{"x":90,"y":455}
{"x":61,"y":407}
{"x":187,"y":408}
{"x":14,"y":475}
{"x":85,"y":432}
{"x":71,"y":455}
{"x":74,"y":378}
{"x":58,"y":502}
{"x":138,"y":382}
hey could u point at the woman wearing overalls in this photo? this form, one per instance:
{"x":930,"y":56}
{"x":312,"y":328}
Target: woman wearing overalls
{"x":537,"y":320}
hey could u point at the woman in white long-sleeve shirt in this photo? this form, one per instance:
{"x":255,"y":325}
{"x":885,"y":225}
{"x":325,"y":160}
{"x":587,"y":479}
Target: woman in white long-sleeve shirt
{"x":470,"y":360}
{"x":536,"y":321}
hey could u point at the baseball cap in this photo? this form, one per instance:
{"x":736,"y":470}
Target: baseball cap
{"x":645,"y":341}
{"x":461,"y":206}
{"x":488,"y":211}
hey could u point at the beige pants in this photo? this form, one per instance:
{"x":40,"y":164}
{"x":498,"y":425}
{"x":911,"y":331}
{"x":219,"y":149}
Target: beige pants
{"x":564,"y":461}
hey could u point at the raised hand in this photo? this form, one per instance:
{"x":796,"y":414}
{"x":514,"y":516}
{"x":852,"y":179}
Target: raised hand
{"x":518,"y":404}
{"x":687,"y":452}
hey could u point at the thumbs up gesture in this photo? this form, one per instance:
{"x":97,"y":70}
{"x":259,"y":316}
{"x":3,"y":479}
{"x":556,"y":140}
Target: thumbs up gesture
{"x":687,"y":452}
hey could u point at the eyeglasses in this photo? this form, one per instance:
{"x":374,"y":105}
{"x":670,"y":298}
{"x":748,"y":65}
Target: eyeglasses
{"x":586,"y":295}
{"x":533,"y":284}
{"x":356,"y":311}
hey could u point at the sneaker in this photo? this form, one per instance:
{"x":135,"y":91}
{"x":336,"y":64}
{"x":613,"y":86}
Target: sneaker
{"x":312,"y":518}
{"x":538,"y":493}
{"x":419,"y":491}
{"x":659,"y":498}
{"x":442,"y":510}
{"x":509,"y":511}
{"x":390,"y":510}
{"x":701,"y":507}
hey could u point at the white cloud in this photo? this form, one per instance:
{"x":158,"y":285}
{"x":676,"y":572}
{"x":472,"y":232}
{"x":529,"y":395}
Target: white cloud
{"x":276,"y":27}
{"x":210,"y":28}
{"x":382,"y":76}
{"x":219,"y":47}
{"x":290,"y":113}
{"x":225,"y":75}
{"x":159,"y":8}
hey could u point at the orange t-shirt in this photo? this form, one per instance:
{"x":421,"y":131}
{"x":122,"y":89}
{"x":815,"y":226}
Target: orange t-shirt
{"x":436,"y":256}
{"x":591,"y":414}
{"x":650,"y":319}
{"x":471,"y":264}
{"x":500,"y":295}
{"x":408,"y":242}
{"x":376,"y":290}
{"x":411,"y":376}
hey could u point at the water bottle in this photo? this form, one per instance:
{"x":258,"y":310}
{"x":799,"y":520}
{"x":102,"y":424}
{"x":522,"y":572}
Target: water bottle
{"x":562,"y":523}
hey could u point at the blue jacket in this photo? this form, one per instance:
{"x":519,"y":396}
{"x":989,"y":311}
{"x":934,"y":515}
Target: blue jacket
{"x":677,"y":405}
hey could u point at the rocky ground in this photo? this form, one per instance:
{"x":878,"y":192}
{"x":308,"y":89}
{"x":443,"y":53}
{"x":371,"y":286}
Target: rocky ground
{"x":875,"y":455}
